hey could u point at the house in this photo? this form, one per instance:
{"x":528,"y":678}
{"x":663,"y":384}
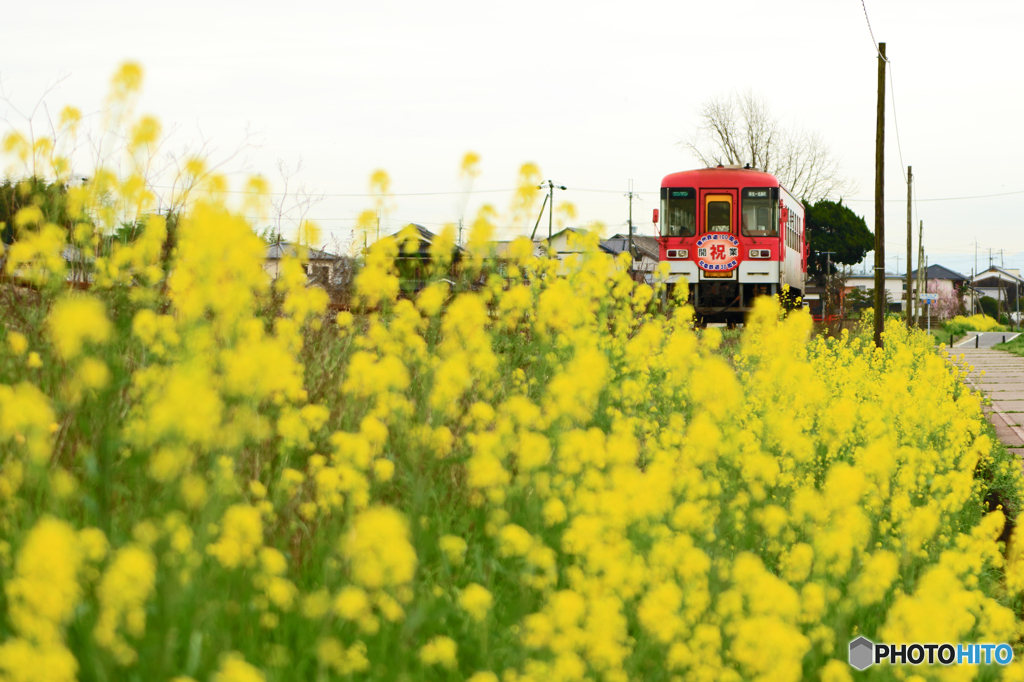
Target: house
{"x":573,"y":240}
{"x":948,"y":284}
{"x":864,"y":281}
{"x":320,"y":266}
{"x":940,"y":279}
{"x":559,"y":245}
{"x":646,"y":253}
{"x":1002,"y":284}
{"x":414,"y":265}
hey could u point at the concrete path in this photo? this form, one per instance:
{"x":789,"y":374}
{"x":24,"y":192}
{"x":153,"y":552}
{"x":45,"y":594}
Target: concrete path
{"x":1003,"y":383}
{"x":984,"y":339}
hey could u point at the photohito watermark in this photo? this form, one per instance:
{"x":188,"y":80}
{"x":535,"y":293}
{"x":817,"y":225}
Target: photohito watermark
{"x":864,"y":653}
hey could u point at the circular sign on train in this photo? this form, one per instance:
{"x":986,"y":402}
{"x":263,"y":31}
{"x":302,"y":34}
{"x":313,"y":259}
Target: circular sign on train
{"x":718,"y":252}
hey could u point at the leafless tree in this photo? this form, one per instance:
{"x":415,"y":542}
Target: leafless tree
{"x":738,"y":129}
{"x":291,"y":206}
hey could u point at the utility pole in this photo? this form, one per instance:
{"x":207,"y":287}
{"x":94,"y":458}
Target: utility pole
{"x":551,"y":209}
{"x":829,"y":289}
{"x":929,"y":304}
{"x":539,"y":215}
{"x":460,"y":231}
{"x":910,"y":246}
{"x":880,"y":201}
{"x":378,"y":224}
{"x":632,"y":253}
{"x":922,"y":273}
{"x":551,"y":206}
{"x":1002,"y":299}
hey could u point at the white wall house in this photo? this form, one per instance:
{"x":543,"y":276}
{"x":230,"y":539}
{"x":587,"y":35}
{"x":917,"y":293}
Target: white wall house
{"x":893,"y":284}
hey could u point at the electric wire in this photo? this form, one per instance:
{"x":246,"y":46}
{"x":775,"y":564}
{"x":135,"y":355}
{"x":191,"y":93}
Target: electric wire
{"x":872,"y":33}
{"x":896,"y":123}
{"x":975,"y":196}
{"x":317,"y":194}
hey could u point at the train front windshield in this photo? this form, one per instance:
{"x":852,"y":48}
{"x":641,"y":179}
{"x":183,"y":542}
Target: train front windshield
{"x":678,"y":211}
{"x":759,"y":212}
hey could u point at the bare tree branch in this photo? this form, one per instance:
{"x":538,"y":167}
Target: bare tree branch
{"x":740,"y":128}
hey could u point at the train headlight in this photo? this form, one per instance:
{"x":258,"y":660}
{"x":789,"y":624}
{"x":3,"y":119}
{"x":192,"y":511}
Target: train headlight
{"x":760,"y":253}
{"x":676,"y":253}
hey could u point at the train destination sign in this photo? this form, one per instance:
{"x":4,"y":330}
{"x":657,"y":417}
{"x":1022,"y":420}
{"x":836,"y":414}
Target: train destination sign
{"x":718,"y":252}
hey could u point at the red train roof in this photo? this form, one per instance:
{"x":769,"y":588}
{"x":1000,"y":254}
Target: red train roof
{"x":721,"y":178}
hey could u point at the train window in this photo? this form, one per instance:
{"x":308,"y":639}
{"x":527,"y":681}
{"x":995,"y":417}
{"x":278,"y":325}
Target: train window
{"x":719,"y":217}
{"x":759,"y":212}
{"x":678,"y":211}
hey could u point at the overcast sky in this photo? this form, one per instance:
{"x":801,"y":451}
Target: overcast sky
{"x":596,"y":93}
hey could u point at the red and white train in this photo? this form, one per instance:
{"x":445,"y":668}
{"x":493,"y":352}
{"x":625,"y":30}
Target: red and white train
{"x":731,"y":234}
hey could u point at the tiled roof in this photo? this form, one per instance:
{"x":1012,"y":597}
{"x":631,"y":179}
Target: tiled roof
{"x":279,"y":250}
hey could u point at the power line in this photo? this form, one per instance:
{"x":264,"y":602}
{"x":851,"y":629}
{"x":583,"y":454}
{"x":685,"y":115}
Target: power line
{"x":872,"y":33}
{"x":895,"y":121}
{"x":977,"y":196}
{"x":315,"y":194}
{"x":578,"y":189}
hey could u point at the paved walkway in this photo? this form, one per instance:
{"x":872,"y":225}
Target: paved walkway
{"x":984,"y":339}
{"x":1003,"y":383}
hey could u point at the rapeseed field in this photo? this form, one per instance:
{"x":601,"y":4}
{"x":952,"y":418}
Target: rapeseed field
{"x":548,"y":475}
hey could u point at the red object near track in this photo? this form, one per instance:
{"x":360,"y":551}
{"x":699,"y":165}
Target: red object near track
{"x":731,"y":234}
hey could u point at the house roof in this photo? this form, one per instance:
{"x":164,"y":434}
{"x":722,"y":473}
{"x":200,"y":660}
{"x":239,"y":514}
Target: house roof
{"x":647,"y":246}
{"x":556,"y":235}
{"x":425,"y":234}
{"x":868,"y":275}
{"x":940,"y":272}
{"x":426,"y":240}
{"x":279,"y":250}
{"x":995,"y":272}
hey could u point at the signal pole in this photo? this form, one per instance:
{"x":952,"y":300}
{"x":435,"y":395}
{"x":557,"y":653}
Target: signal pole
{"x":880,"y":201}
{"x":910,"y":246}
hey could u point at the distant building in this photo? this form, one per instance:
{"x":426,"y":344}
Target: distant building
{"x":645,"y":257}
{"x":415,"y":265}
{"x":1002,"y":284}
{"x":894,"y":284}
{"x":319,"y":265}
{"x":951,"y":286}
{"x":558,"y":246}
{"x":941,"y":279}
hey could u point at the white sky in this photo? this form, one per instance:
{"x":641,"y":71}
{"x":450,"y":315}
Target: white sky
{"x":596,"y":93}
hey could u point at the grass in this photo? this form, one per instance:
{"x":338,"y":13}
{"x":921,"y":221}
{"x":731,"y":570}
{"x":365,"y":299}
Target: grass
{"x":1000,"y":487}
{"x":1015,"y":346}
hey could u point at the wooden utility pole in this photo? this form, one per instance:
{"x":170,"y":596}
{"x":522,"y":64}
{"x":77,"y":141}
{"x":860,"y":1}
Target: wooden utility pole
{"x":910,"y":246}
{"x":632,"y":253}
{"x":880,"y":201}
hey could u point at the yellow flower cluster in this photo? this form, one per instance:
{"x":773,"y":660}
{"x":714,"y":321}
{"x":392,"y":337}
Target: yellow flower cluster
{"x":541,"y":471}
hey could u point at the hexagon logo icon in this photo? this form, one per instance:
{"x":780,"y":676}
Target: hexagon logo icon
{"x":861,"y":653}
